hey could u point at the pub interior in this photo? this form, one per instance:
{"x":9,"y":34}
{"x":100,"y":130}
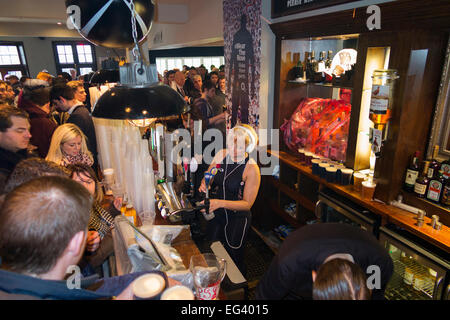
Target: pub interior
{"x":290,"y":150}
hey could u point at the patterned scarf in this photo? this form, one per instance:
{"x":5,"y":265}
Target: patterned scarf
{"x":80,"y":158}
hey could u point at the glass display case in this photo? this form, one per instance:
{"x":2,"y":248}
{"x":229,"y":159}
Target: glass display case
{"x":421,"y":272}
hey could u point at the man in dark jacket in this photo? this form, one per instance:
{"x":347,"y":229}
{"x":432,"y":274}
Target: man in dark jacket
{"x":42,"y":240}
{"x":36,"y":102}
{"x":290,"y":275}
{"x":63,"y":98}
{"x":14,"y":139}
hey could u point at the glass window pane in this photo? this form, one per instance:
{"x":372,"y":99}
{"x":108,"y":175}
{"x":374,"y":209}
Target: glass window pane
{"x":6,"y":60}
{"x":62,"y":58}
{"x":84,"y":71}
{"x":170,"y":64}
{"x":88,"y":58}
{"x":13,"y":50}
{"x":80,"y":49}
{"x":15,"y":60}
{"x":68,"y":49}
{"x":196,"y":62}
{"x":3,"y":50}
{"x":216,"y":62}
{"x":188,"y":62}
{"x":81,"y":58}
{"x":69,"y":58}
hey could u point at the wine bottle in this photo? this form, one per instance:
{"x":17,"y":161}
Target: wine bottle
{"x":329,"y":59}
{"x":434,"y":163}
{"x":412,"y":173}
{"x":420,"y":187}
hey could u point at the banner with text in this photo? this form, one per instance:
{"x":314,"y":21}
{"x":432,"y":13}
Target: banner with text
{"x":242,"y":49}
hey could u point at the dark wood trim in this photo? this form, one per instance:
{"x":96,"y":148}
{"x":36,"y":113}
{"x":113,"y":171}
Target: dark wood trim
{"x":308,"y":8}
{"x":398,"y":15}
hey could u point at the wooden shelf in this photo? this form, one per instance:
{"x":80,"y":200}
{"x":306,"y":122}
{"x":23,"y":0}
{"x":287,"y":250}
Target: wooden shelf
{"x":302,"y":200}
{"x":388,"y":213}
{"x":292,"y":221}
{"x":321,"y":84}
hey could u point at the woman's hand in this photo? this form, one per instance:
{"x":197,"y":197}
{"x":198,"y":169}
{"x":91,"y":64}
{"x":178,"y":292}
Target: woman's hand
{"x":93,"y":241}
{"x":202,"y":187}
{"x":214,"y":204}
{"x":118,"y":203}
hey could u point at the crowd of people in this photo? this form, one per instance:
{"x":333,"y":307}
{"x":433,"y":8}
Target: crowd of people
{"x":48,"y":156}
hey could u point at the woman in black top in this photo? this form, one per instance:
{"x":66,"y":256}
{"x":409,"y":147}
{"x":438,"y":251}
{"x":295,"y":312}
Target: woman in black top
{"x":233,"y":192}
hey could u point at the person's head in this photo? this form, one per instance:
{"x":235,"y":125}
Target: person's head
{"x":192,"y":73}
{"x":198,"y":82}
{"x":67,"y":140}
{"x":84,"y":174}
{"x":38,"y":92}
{"x":214,"y":77}
{"x":340,"y":279}
{"x":3,"y":91}
{"x":222,"y":84}
{"x":43,"y":227}
{"x":171,"y":76}
{"x":180,"y":78}
{"x":12,"y":79}
{"x":202,"y":71}
{"x":78,"y":90}
{"x":62,"y":97}
{"x":238,"y":141}
{"x":43,"y":75}
{"x":209,"y":90}
{"x":14,"y":128}
{"x":66,"y":76}
{"x":32,"y":168}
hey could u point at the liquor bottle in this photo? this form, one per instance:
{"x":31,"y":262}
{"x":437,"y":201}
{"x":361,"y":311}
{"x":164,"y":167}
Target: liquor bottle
{"x":321,"y":62}
{"x":329,"y":59}
{"x":421,"y":185}
{"x":314,"y":63}
{"x":307,"y":66}
{"x":436,"y":187}
{"x":445,"y":200}
{"x":130,"y":213}
{"x":123,"y":209}
{"x":445,"y":167}
{"x":382,"y":97}
{"x":434,"y":163}
{"x":412,"y":173}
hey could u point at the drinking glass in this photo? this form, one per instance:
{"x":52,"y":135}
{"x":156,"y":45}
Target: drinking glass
{"x":208,"y":272}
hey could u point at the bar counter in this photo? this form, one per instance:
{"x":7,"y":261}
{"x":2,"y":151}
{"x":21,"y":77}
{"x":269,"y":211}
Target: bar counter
{"x":388,"y":213}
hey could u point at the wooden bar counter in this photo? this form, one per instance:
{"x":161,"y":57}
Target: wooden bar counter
{"x":388,"y":213}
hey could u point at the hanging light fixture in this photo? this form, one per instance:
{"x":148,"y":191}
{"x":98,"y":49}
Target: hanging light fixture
{"x":138,"y":95}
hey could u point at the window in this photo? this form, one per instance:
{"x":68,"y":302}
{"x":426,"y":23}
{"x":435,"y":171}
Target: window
{"x":75,"y":55}
{"x":12,"y":59}
{"x":163,"y":64}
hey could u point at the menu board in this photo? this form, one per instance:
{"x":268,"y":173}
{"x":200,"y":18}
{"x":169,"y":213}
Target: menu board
{"x":286,"y":7}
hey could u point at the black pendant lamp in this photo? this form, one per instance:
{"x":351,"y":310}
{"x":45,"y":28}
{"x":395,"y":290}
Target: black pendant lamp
{"x":138,"y":96}
{"x":139,"y":102}
{"x":105,"y":76}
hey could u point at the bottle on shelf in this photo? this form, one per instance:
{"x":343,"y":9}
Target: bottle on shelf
{"x":412,"y":173}
{"x":434,"y":163}
{"x":445,"y":200}
{"x":296,"y":72}
{"x":421,"y":185}
{"x":329,"y":59}
{"x":321,"y":62}
{"x":307,"y":67}
{"x":445,"y":167}
{"x":314,"y":63}
{"x":436,"y":187}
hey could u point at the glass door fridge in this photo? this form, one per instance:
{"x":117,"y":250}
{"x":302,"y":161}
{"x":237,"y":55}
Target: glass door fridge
{"x":332,"y":207}
{"x":421,"y":271}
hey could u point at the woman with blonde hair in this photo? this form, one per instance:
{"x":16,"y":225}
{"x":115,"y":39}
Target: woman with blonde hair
{"x":233,"y":192}
{"x":68,"y":146}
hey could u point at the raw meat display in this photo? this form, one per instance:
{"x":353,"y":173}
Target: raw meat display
{"x":319,"y":126}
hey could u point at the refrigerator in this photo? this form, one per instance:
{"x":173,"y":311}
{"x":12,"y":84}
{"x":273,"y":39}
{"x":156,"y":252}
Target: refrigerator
{"x":332,"y":207}
{"x":421,"y":270}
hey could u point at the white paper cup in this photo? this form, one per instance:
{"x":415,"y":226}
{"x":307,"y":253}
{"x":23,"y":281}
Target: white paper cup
{"x":149,"y":286}
{"x":178,"y":293}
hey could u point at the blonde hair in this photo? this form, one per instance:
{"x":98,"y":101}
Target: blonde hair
{"x":44,"y":76}
{"x":62,"y":134}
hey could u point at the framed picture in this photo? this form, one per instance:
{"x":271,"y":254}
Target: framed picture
{"x":440,"y":130}
{"x":282,"y":8}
